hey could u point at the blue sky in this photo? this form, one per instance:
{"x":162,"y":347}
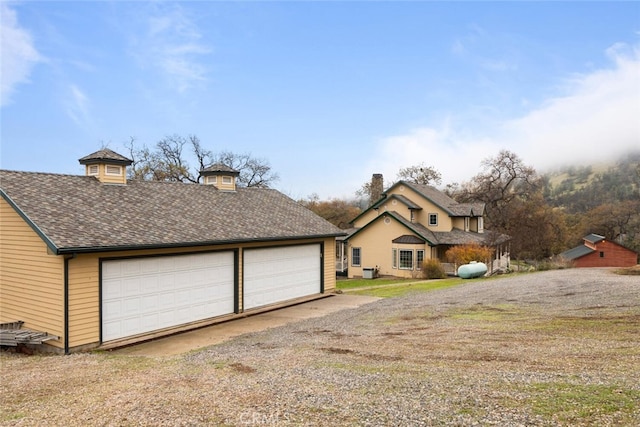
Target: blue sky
{"x":327,"y":92}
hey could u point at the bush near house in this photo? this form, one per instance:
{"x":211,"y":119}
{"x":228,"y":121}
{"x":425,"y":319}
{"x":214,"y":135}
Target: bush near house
{"x":432,"y":269}
{"x":464,"y":254}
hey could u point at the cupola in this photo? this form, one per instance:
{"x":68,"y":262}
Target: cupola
{"x":220,"y":175}
{"x":106,"y":165}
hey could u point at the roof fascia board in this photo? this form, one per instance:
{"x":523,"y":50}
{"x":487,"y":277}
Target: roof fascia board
{"x":95,"y":249}
{"x":31,"y":224}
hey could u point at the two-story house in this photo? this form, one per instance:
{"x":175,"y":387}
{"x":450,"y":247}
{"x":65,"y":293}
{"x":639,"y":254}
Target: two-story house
{"x":412,"y":223}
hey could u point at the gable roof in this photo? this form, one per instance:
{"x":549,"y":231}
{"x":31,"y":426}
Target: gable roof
{"x":582,"y":250}
{"x":435,"y":196}
{"x":79,"y":214}
{"x":443,"y":201}
{"x":434,"y":238}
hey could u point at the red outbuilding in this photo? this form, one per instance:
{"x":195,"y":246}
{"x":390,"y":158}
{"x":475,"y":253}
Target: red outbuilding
{"x":596,"y":251}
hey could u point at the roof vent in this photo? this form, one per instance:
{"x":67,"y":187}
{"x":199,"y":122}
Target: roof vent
{"x":221,"y":176}
{"x":106,"y":165}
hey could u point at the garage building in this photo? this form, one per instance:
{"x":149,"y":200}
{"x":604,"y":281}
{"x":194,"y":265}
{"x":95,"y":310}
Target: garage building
{"x":101,"y":261}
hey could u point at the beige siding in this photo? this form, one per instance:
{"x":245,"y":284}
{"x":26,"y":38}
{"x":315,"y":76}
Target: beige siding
{"x":84,"y":300}
{"x":329,"y":265}
{"x":108,"y":178}
{"x":31,"y":279}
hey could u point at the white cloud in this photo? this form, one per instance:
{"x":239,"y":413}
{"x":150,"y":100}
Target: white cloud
{"x":77,"y":106}
{"x":172,"y":43}
{"x":595,"y":119}
{"x":18,"y":53}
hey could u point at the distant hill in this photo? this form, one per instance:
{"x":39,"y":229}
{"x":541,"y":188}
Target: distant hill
{"x":579,"y":189}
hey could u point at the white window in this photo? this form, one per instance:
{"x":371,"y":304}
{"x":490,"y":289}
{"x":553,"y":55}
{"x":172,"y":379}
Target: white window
{"x":212,"y":179}
{"x":433,"y":219}
{"x":355,"y":257}
{"x":419,"y":258}
{"x":94,"y":170}
{"x":406,"y":259}
{"x":114,"y":170}
{"x":226,"y":180}
{"x":480,"y":224}
{"x":394,"y":258}
{"x":466,"y":223}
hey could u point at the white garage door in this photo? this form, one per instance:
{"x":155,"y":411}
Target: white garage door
{"x":279,"y":274}
{"x":145,"y":294}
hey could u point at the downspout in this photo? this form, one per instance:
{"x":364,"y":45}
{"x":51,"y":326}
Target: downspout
{"x":66,"y":301}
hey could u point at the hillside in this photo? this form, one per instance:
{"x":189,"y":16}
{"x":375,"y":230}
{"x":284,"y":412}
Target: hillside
{"x":579,"y":189}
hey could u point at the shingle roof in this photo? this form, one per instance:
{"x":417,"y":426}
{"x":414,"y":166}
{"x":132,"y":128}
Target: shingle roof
{"x":105,"y":154}
{"x":78,"y":213}
{"x":219,"y":167}
{"x":408,"y":239}
{"x":438,"y":197}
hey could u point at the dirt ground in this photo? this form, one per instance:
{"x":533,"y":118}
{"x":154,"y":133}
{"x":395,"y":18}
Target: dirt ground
{"x":551,"y":348}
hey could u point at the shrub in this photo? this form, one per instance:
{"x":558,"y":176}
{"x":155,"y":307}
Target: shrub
{"x":464,"y":254}
{"x":432,"y":269}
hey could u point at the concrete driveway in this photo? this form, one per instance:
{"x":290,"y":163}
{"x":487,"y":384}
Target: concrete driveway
{"x":215,"y":334}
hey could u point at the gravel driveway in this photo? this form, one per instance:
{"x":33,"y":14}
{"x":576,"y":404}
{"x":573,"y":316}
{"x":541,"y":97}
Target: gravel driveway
{"x":551,"y":348}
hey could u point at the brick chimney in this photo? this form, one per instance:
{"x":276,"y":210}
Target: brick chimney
{"x":377,"y":188}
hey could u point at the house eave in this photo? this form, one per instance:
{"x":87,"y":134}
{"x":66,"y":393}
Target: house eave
{"x":183,"y":245}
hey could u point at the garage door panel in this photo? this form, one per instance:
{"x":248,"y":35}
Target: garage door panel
{"x":279,"y":274}
{"x":145,"y":294}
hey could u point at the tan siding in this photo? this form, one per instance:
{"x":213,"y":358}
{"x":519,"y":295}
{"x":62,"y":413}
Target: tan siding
{"x":329,"y":265}
{"x":106,"y":178}
{"x":84,"y":300}
{"x":31,"y":279}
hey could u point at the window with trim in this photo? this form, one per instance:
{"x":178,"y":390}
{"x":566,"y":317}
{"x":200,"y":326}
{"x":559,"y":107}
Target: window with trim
{"x":94,"y":170}
{"x":394,"y":258}
{"x":601,"y":254}
{"x":480,"y":224}
{"x":212,"y":179}
{"x":419,"y":258}
{"x":433,"y":219}
{"x":355,"y":257}
{"x":406,"y":259}
{"x":466,"y":223}
{"x":113,"y":170}
{"x":226,"y":180}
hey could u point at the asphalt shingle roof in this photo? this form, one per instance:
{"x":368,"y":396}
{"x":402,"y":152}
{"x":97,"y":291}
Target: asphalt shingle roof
{"x":452,"y":207}
{"x":76,"y":213}
{"x":105,"y":154}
